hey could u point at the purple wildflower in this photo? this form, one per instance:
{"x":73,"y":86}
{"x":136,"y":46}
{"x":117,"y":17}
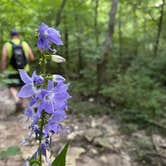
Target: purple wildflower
{"x":46,"y":110}
{"x":53,"y":101}
{"x":53,"y":124}
{"x":28,"y":89}
{"x":54,"y":98}
{"x":48,"y":35}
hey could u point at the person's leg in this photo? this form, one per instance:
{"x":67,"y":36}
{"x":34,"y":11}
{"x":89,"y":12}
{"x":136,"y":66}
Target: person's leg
{"x":18,"y":101}
{"x":13,"y":88}
{"x":13,"y":92}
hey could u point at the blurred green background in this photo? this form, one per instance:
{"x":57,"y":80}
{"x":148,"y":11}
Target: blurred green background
{"x":125,"y":77}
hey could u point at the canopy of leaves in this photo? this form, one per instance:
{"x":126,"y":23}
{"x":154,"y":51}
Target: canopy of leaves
{"x":135,"y":75}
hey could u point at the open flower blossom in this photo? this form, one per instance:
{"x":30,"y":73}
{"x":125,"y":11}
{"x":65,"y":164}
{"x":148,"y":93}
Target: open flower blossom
{"x":29,"y":88}
{"x":54,"y":98}
{"x":48,"y":35}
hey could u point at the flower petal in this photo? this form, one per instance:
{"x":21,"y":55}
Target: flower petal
{"x":55,"y":128}
{"x":43,"y":43}
{"x":26,"y":91}
{"x":24,"y":76}
{"x":50,"y":85}
{"x":49,"y":108}
{"x":43,"y":27}
{"x":58,"y":116}
{"x":37,"y":79}
{"x":54,"y":36}
{"x":58,"y":78}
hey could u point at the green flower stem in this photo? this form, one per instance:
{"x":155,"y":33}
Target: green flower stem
{"x":40,"y":138}
{"x":43,"y":115}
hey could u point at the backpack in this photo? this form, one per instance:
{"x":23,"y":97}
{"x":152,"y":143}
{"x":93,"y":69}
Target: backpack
{"x":18,"y":58}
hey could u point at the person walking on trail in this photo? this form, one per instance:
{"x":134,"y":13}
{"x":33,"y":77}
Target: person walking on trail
{"x":15,"y":55}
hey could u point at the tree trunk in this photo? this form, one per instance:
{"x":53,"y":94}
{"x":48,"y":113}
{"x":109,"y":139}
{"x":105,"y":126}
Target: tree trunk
{"x":59,"y":13}
{"x":80,"y":62}
{"x":96,"y":22}
{"x":135,"y":28}
{"x":97,"y":42}
{"x":156,"y":45}
{"x":66,"y":45}
{"x":107,"y":45}
{"x":66,"y":42}
{"x":1,"y":40}
{"x":145,"y":33}
{"x":79,"y":49}
{"x":120,"y":32}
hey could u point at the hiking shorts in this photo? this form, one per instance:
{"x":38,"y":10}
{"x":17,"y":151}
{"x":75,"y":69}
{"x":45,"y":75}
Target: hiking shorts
{"x":14,"y":84}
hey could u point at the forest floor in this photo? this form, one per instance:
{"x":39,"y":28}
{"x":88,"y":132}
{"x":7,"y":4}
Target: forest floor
{"x":96,"y":141}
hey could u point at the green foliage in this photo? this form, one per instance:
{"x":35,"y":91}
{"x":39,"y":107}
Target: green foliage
{"x":11,"y":151}
{"x":135,"y":77}
{"x":139,"y":92}
{"x":60,"y":160}
{"x":84,"y":86}
{"x":89,"y":108}
{"x":5,"y":80}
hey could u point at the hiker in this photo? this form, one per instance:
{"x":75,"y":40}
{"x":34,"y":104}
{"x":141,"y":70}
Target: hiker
{"x":15,"y":55}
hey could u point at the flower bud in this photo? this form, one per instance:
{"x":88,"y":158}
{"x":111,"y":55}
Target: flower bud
{"x":57,"y":59}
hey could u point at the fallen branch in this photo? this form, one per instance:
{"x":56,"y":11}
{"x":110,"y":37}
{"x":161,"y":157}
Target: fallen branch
{"x":152,"y":122}
{"x":156,"y":155}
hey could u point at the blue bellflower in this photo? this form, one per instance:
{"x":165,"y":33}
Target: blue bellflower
{"x":52,"y":100}
{"x":53,"y":124}
{"x":49,"y":98}
{"x":54,"y":97}
{"x":47,"y":36}
{"x":29,"y":88}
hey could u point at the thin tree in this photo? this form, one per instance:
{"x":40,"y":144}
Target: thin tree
{"x":59,"y":12}
{"x":120,"y":30}
{"x":79,"y":30}
{"x":156,"y":45}
{"x":135,"y":28}
{"x":66,"y":41}
{"x":107,"y":44}
{"x":79,"y":47}
{"x":97,"y":42}
{"x":96,"y":22}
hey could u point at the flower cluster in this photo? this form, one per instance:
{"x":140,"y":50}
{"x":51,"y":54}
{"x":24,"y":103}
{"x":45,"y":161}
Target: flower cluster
{"x":48,"y":94}
{"x":48,"y":103}
{"x":47,"y":36}
{"x":52,"y":99}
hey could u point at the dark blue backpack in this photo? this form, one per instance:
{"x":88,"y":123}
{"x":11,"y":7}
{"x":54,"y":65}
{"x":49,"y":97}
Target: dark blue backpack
{"x":18,"y":58}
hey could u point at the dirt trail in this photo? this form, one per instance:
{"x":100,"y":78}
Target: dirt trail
{"x":95,"y":142}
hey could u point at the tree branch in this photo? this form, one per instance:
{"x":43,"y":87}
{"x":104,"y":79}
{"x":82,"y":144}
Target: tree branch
{"x":59,"y":13}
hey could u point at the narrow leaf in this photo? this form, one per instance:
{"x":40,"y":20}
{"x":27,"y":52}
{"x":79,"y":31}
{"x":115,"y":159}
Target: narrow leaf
{"x":60,"y":160}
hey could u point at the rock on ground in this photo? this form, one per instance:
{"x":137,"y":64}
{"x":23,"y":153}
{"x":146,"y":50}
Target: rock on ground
{"x":94,"y":142}
{"x":7,"y":104}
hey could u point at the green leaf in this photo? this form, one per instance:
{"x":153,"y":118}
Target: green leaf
{"x":60,"y":160}
{"x":11,"y":151}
